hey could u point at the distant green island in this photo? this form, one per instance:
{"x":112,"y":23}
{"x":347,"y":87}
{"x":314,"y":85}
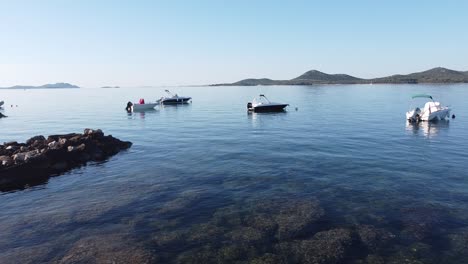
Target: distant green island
{"x":435,"y":75}
{"x":45,"y":86}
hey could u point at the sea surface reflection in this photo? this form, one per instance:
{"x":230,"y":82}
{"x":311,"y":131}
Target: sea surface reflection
{"x":341,"y":180}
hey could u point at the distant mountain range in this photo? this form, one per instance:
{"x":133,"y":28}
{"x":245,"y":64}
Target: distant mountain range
{"x":45,"y":86}
{"x":436,"y":75}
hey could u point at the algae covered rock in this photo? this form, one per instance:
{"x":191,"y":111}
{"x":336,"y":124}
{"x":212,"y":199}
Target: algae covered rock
{"x":269,"y":258}
{"x":31,"y":162}
{"x":293,"y":217}
{"x":325,"y":247}
{"x":422,"y":222}
{"x":374,"y":238}
{"x":107,"y":249}
{"x":298,"y":218}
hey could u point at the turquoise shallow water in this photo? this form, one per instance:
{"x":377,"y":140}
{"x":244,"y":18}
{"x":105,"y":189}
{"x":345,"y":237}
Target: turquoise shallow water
{"x":346,"y":147}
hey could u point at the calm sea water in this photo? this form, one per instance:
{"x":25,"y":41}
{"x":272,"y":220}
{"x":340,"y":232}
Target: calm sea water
{"x":346,"y":146}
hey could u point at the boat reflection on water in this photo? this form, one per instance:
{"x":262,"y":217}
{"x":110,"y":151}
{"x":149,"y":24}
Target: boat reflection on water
{"x":172,"y":106}
{"x":428,"y":129}
{"x":141,"y":113}
{"x":259,"y":119}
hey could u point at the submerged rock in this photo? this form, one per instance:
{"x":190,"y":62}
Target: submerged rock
{"x":269,"y":258}
{"x":297,"y":218}
{"x":107,"y":249}
{"x":293,"y":218}
{"x":411,"y":255}
{"x":374,"y":259}
{"x":247,"y":235}
{"x":325,"y":247}
{"x":458,"y":246}
{"x":197,"y":256}
{"x":39,"y":158}
{"x":421,"y":223}
{"x":374,"y":238}
{"x":237,"y":233}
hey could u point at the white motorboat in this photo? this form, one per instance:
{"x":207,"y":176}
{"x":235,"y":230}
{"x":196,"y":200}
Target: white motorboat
{"x":432,"y":110}
{"x":174,"y":99}
{"x":262,"y":104}
{"x":141,"y":106}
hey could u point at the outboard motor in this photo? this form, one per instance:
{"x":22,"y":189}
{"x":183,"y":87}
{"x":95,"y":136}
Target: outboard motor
{"x":129,"y":107}
{"x":249,"y":106}
{"x":416,"y":117}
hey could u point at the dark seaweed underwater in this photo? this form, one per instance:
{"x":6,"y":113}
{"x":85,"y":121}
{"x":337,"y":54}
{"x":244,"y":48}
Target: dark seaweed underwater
{"x":342,"y":179}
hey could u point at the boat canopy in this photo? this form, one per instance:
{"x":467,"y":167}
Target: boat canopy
{"x":421,"y":96}
{"x":261,"y":98}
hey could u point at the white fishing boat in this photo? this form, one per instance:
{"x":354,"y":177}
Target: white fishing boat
{"x":140,"y":106}
{"x":431,"y":111}
{"x":174,"y":99}
{"x":262,"y":104}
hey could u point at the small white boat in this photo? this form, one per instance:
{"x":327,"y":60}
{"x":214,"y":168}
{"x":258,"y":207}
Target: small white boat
{"x":262,"y":104}
{"x":141,"y":106}
{"x":432,"y":110}
{"x":174,"y":99}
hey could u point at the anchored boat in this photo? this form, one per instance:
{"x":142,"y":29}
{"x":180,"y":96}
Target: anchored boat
{"x":174,"y":99}
{"x":431,"y":111}
{"x":262,"y":104}
{"x":141,"y":106}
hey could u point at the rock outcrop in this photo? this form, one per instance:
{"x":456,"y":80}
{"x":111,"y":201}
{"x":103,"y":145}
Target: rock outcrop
{"x":29,"y":163}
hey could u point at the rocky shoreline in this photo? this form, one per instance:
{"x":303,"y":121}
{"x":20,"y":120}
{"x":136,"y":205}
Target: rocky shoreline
{"x":27,"y":163}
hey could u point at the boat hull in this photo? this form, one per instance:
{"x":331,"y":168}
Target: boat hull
{"x":176,"y":100}
{"x":438,"y":115}
{"x":142,"y":107}
{"x":269,"y":108}
{"x":434,"y":116}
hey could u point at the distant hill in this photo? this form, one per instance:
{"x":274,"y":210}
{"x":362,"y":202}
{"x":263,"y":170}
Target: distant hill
{"x":45,"y":86}
{"x":435,"y":75}
{"x":251,"y":82}
{"x":315,"y":76}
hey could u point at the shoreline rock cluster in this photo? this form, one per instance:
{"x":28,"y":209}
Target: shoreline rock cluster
{"x":24,"y":163}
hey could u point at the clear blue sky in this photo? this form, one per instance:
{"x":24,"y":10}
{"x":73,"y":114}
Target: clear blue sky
{"x":133,"y":43}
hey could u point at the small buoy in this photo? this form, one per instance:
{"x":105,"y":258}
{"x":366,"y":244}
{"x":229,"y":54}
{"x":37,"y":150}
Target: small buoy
{"x":297,"y":108}
{"x":453,"y":116}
